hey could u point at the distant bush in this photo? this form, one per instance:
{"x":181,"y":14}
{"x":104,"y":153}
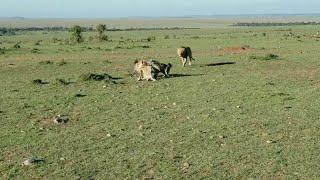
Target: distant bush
{"x":17,"y":46}
{"x":91,"y":38}
{"x":76,"y":34}
{"x":45,"y":62}
{"x":35,"y":50}
{"x":268,"y":57}
{"x":39,"y":82}
{"x":101,"y":28}
{"x":2,"y":50}
{"x":55,"y":40}
{"x":151,"y":38}
{"x":62,"y":82}
{"x":167,"y":36}
{"x":271,"y":57}
{"x":245,"y":47}
{"x":37,"y":43}
{"x":61,"y":63}
{"x":132,"y":47}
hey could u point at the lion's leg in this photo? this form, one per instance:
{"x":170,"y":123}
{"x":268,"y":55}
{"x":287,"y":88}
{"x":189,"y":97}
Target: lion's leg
{"x":190,"y":61}
{"x":140,"y":76}
{"x":184,"y":62}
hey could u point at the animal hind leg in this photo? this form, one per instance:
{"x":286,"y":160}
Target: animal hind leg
{"x":184,"y":62}
{"x":190,"y":61}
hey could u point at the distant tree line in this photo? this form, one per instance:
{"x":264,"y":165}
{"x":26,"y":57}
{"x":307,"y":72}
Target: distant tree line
{"x":13,"y":31}
{"x":277,"y":24}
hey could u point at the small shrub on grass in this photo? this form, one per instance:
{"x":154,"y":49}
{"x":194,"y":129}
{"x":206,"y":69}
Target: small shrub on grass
{"x":151,"y":38}
{"x":17,"y":46}
{"x":167,"y":36}
{"x":45,"y":62}
{"x":106,"y":62}
{"x":245,"y":47}
{"x":101,"y":28}
{"x":76,"y":34}
{"x":55,"y":40}
{"x":265,"y":58}
{"x":144,"y":46}
{"x":37,"y":43}
{"x":2,"y":50}
{"x":253,"y":57}
{"x":62,"y":82}
{"x":39,"y":82}
{"x":35,"y":50}
{"x":61,"y":63}
{"x":271,"y":57}
{"x":91,"y":38}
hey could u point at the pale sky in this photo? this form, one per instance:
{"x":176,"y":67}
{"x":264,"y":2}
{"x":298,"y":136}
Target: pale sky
{"x":151,"y":8}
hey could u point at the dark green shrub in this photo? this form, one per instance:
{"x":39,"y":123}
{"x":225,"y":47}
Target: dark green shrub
{"x":76,"y":34}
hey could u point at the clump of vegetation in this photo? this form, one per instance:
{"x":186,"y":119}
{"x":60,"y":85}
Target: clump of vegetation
{"x":132,"y":47}
{"x":55,"y":40}
{"x":61,"y":63}
{"x":244,"y":47}
{"x":37,"y":43}
{"x":101,"y":28}
{"x":151,"y":38}
{"x":90,"y":38}
{"x":144,"y":46}
{"x":268,"y":57}
{"x":76,"y":34}
{"x":271,"y":57}
{"x":106,"y":62}
{"x":39,"y":82}
{"x":62,"y":82}
{"x":2,"y":50}
{"x":17,"y":45}
{"x":45,"y":62}
{"x":264,"y":34}
{"x":167,"y":36}
{"x":35,"y":50}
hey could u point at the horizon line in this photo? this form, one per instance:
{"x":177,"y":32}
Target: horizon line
{"x":168,"y":17}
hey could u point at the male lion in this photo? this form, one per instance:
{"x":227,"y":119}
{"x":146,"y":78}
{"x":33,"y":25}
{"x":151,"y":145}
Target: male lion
{"x":143,"y":70}
{"x":184,"y":53}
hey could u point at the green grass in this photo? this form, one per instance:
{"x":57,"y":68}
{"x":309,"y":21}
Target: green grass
{"x":229,"y":116}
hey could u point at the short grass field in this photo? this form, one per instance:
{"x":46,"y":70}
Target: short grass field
{"x":247,"y":108}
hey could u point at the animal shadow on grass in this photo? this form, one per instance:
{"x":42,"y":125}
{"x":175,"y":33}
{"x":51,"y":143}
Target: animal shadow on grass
{"x":184,"y":75}
{"x":219,"y":64}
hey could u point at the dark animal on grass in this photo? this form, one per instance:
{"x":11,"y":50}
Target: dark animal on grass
{"x":161,"y":68}
{"x":184,"y":53}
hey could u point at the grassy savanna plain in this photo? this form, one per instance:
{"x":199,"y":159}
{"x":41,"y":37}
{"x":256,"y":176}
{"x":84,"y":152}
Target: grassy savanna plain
{"x":234,"y":114}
